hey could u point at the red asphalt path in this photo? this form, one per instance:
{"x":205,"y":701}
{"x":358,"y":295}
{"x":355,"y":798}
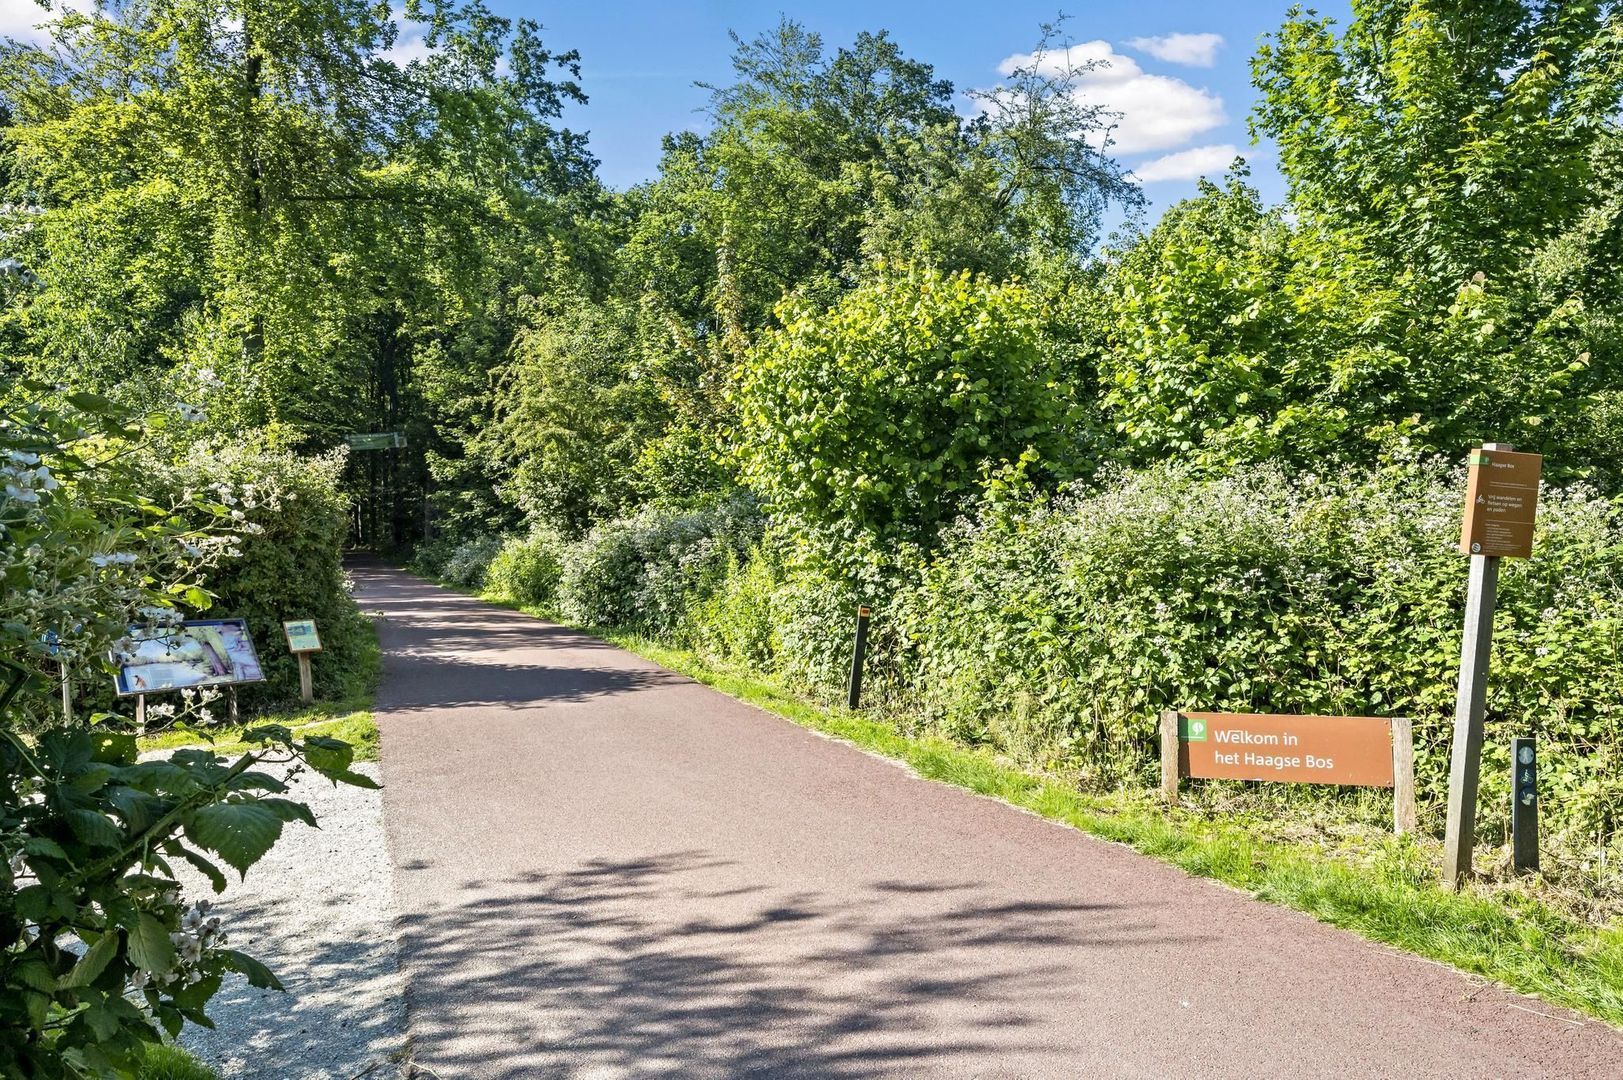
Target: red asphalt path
{"x":606,"y":870}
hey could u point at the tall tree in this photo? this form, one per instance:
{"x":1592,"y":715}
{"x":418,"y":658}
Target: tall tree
{"x":264,"y":192}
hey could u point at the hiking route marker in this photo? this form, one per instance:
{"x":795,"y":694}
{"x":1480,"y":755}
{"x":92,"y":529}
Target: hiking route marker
{"x":1501,"y":502}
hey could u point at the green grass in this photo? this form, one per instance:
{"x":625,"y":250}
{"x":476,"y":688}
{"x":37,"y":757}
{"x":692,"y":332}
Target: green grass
{"x":339,"y":721}
{"x":165,"y":1062}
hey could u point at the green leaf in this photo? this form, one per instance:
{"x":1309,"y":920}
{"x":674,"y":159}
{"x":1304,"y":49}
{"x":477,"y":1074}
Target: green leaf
{"x":258,"y":974}
{"x":326,"y":755}
{"x":94,"y":828}
{"x":238,"y":832}
{"x":206,"y":868}
{"x":95,"y":403}
{"x":94,"y":961}
{"x":288,"y":810}
{"x":39,"y":845}
{"x":112,"y":747}
{"x":150,"y":947}
{"x":34,"y":973}
{"x":39,"y":1008}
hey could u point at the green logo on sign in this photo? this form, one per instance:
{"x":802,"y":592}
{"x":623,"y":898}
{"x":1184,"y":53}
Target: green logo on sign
{"x":1193,"y":730}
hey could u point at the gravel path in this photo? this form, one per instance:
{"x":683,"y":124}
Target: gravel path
{"x":319,"y":910}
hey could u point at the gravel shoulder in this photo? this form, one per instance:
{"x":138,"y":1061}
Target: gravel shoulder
{"x":319,"y":910}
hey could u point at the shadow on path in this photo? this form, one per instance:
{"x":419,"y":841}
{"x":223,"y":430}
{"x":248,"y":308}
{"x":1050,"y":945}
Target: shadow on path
{"x":581,"y":973}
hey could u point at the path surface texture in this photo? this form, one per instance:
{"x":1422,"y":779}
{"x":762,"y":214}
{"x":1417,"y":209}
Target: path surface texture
{"x":607,"y":870}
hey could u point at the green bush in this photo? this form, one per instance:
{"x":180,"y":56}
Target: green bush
{"x":1055,"y":631}
{"x":466,"y":562}
{"x":527,"y":569}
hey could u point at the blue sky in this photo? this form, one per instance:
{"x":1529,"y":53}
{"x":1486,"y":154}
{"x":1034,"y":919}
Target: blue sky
{"x":1186,"y":98}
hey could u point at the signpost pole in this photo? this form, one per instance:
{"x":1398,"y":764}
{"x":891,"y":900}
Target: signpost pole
{"x":1403,"y":793}
{"x":67,"y":694}
{"x":306,"y":692}
{"x":1476,"y":646}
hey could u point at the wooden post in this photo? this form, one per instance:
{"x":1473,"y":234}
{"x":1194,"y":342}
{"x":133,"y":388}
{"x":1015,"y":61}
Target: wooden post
{"x":1476,"y":646}
{"x":140,"y":710}
{"x":1169,"y":756}
{"x":231,"y":704}
{"x":307,"y":692}
{"x":67,"y":695}
{"x":1524,"y":805}
{"x":1404,"y":812}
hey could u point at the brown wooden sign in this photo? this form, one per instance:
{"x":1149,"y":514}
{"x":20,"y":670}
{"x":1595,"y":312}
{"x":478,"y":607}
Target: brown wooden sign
{"x":1501,"y":502}
{"x":1358,"y":751}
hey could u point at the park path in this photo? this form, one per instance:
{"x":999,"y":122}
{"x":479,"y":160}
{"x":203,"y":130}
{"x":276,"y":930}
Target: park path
{"x":605,"y":870}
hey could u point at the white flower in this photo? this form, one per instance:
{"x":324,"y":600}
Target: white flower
{"x":21,"y":457}
{"x":190,"y":413}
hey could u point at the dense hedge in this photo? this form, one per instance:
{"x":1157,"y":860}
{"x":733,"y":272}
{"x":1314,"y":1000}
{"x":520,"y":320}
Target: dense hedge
{"x":291,"y":563}
{"x":1054,"y":629}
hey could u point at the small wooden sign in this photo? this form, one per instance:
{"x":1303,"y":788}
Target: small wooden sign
{"x":1356,"y":751}
{"x":301,"y":636}
{"x":1501,"y":503}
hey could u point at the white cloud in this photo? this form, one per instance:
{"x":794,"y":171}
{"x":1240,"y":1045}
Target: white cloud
{"x":1158,"y":112}
{"x":411,"y":43}
{"x":1194,"y":50}
{"x":20,"y":19}
{"x":1189,"y":164}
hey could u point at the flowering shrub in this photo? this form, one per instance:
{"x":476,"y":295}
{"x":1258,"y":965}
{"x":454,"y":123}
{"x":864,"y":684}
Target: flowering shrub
{"x":1056,"y":630}
{"x":100,"y":950}
{"x":645,"y":571}
{"x":466,"y":563}
{"x":292,"y":518}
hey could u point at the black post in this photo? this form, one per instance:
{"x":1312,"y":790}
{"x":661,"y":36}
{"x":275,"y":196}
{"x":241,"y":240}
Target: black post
{"x":1523,"y":805}
{"x":854,"y":698}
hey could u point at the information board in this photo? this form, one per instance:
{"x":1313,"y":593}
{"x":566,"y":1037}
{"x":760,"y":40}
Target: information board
{"x":1501,"y":503}
{"x":198,"y":652}
{"x":301,"y":635}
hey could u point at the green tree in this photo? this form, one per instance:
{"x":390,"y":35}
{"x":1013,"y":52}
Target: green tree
{"x":262,"y":193}
{"x":876,"y":421}
{"x":1446,"y":269}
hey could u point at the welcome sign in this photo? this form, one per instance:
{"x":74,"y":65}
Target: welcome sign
{"x":1353,"y":751}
